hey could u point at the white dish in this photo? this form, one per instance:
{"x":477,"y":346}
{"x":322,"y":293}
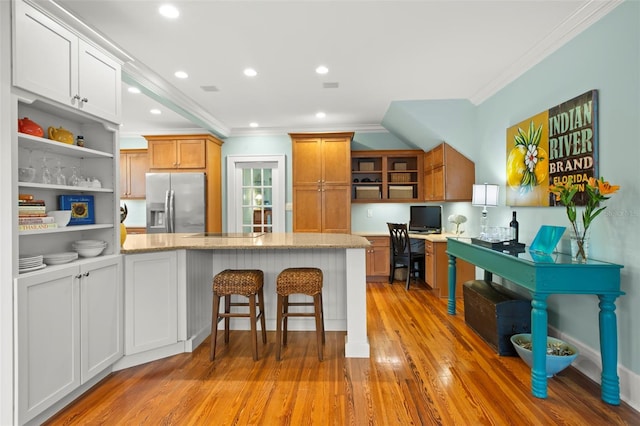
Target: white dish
{"x":60,"y":258}
{"x":89,"y":251}
{"x":35,"y":268}
{"x":91,"y":243}
{"x":61,"y":217}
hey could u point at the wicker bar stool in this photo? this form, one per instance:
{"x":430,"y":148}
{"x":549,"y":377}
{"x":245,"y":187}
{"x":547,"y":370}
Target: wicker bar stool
{"x":306,"y":281}
{"x":248,"y":283}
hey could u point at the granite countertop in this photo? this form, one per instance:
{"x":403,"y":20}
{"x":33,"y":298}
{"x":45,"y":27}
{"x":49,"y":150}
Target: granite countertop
{"x":141,"y":243}
{"x":436,"y":238}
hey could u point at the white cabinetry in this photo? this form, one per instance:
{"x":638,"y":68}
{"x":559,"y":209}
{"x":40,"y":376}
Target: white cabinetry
{"x":69,"y":329}
{"x":151,"y":301}
{"x":52,"y":61}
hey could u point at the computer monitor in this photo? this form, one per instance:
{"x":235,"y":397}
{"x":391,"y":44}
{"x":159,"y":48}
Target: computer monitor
{"x":425,"y":219}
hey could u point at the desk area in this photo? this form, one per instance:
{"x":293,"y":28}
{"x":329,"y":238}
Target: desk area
{"x":555,"y":274}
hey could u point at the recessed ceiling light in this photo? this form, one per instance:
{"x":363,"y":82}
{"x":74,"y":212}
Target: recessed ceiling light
{"x":169,"y":11}
{"x":321,"y":114}
{"x":322,"y":69}
{"x":181,"y":74}
{"x":155,"y":111}
{"x":250,"y":72}
{"x":254,"y":124}
{"x":133,"y":90}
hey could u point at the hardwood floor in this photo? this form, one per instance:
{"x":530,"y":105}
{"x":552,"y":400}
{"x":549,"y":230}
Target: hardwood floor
{"x":426,"y":368}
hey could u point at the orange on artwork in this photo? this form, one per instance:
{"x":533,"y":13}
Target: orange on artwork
{"x":528,"y":162}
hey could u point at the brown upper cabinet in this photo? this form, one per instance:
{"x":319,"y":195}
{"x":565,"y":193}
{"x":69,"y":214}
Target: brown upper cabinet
{"x":177,"y":152}
{"x":387,"y":176}
{"x":321,"y":182}
{"x":448,"y":175}
{"x":134,"y":164}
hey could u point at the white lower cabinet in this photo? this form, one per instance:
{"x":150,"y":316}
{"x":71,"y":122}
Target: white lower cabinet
{"x":69,"y":328}
{"x":151,"y":301}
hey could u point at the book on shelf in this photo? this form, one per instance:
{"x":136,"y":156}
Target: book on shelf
{"x":26,"y":220}
{"x":32,"y":210}
{"x":25,"y":197}
{"x":31,"y":203}
{"x":32,"y":214}
{"x":36,"y":226}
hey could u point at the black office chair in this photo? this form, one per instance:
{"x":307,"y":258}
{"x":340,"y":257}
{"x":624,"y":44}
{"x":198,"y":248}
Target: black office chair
{"x":401,"y":254}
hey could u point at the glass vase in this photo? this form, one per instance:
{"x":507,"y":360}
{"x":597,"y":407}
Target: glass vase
{"x":580,"y":244}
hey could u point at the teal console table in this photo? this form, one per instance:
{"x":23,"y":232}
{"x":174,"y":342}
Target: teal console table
{"x":543,"y":276}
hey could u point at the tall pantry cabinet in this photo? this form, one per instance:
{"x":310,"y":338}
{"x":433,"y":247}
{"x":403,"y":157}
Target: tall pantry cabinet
{"x":68,"y":327}
{"x":321,"y":182}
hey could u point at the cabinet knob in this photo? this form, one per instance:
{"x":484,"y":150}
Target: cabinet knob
{"x":84,"y":100}
{"x":76,"y":97}
{"x":78,"y":276}
{"x":86,"y":274}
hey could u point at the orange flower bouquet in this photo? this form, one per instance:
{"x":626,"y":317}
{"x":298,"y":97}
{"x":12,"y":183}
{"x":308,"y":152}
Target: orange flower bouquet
{"x":597,"y":191}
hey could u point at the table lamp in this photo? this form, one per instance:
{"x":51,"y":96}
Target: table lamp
{"x":485,"y":195}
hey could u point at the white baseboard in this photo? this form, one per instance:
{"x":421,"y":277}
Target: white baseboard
{"x":589,"y":363}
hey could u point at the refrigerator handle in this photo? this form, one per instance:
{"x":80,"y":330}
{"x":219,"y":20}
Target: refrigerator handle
{"x":167,"y":212}
{"x":172,"y":211}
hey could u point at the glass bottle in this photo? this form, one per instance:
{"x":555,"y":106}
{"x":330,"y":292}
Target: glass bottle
{"x":514,"y":228}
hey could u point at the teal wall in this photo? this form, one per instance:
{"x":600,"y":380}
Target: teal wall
{"x":605,"y":57}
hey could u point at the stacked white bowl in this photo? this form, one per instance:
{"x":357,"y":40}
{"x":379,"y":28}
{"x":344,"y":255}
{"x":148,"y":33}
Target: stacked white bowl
{"x":89,"y":248}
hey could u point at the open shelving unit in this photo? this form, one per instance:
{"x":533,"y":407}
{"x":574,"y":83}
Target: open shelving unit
{"x":387,"y":176}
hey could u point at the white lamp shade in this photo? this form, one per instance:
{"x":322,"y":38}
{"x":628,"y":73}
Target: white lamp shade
{"x":485,"y":195}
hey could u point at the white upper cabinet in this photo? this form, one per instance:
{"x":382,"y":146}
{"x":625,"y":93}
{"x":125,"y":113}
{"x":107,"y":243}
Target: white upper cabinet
{"x":53,"y":62}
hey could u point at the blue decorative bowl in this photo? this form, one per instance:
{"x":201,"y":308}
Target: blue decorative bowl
{"x":555,"y":363}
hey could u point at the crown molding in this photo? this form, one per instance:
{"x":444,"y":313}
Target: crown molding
{"x":580,"y":20}
{"x":273,"y":131}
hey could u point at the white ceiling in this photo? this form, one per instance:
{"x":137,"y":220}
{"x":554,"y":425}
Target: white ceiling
{"x":377,"y":51}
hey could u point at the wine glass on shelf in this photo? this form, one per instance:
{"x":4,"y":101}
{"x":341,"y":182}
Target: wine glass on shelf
{"x":74,"y":180}
{"x":46,"y":174}
{"x":58,"y":176}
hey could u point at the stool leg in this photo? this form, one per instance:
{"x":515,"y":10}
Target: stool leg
{"x":262,"y":320}
{"x":285,"y":319}
{"x":227,"y":309}
{"x":317,"y":308}
{"x":214,"y":326}
{"x":322,"y":316}
{"x":253,"y":319}
{"x":279,"y":327}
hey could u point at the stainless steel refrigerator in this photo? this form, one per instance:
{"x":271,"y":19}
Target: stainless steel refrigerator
{"x":176,"y":202}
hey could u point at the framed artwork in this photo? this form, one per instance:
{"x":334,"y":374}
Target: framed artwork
{"x":81,"y":206}
{"x":552,"y":147}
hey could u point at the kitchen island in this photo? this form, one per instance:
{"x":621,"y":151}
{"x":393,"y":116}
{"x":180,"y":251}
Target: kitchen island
{"x":172,"y":274}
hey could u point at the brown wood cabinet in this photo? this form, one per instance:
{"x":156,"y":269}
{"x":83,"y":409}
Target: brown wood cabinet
{"x":321,"y":182}
{"x":192,"y":153}
{"x":448,"y":175}
{"x":134,"y":164}
{"x":378,"y":259}
{"x":387,"y":176}
{"x":437,"y":269}
{"x":177,"y":152}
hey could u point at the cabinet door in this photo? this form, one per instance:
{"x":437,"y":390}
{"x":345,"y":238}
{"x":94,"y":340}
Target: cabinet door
{"x":307,"y":161}
{"x":336,"y":161}
{"x":99,"y":85}
{"x":162,"y":154}
{"x":307,"y":208}
{"x":45,"y":56}
{"x":138,"y":168}
{"x":336,"y":209}
{"x":133,"y":169}
{"x":151,"y":301}
{"x":430,"y":264}
{"x":48,"y":339}
{"x":378,"y":265}
{"x":191,"y":154}
{"x":101,"y":302}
